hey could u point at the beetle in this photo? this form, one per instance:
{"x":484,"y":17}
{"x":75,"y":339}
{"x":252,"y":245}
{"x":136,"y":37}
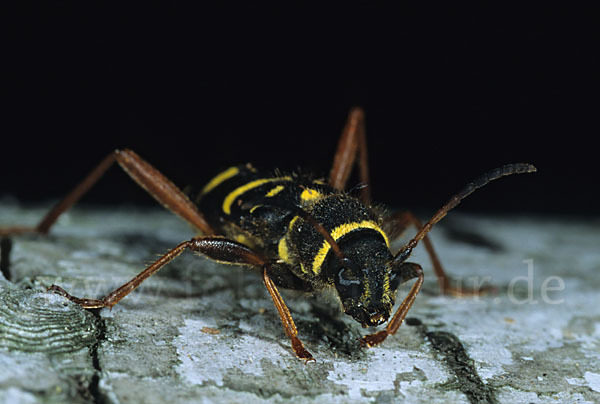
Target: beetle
{"x":302,"y":233}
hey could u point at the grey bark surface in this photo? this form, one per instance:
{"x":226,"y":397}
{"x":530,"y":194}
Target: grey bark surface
{"x":203,"y":332}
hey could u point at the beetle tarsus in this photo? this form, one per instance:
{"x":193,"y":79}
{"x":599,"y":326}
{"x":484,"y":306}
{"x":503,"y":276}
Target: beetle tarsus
{"x":300,"y":351}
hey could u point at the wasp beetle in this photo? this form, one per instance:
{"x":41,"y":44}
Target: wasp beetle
{"x":302,"y":233}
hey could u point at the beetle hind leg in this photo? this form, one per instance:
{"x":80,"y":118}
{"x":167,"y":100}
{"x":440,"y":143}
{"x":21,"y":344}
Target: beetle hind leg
{"x":143,"y":173}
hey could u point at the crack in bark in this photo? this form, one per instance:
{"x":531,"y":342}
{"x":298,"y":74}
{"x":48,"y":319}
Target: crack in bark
{"x":5,"y":248}
{"x":94,"y":386}
{"x":455,"y":357}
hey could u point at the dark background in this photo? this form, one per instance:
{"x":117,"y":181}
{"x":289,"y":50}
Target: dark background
{"x":449,"y":93}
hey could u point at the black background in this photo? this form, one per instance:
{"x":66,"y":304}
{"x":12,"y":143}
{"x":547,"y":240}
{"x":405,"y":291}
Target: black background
{"x":449,"y":93}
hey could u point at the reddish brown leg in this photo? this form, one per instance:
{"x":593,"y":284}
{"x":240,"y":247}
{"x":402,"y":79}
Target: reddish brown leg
{"x":353,"y":142}
{"x":116,"y":295}
{"x":411,"y":270}
{"x":216,"y":248}
{"x":148,"y":177}
{"x":286,"y":319}
{"x":400,"y":221}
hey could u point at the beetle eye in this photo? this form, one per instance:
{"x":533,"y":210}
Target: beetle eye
{"x":347,"y":279}
{"x":348,"y":285}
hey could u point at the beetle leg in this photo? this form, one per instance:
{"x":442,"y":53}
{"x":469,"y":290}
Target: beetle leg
{"x":116,"y":295}
{"x":409,"y":271}
{"x":352,"y":142}
{"x":144,"y":174}
{"x":286,"y":319}
{"x":218,"y":249}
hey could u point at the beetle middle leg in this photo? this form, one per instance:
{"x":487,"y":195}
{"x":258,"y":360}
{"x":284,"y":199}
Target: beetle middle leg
{"x":218,"y":249}
{"x":352,"y":144}
{"x":398,"y":222}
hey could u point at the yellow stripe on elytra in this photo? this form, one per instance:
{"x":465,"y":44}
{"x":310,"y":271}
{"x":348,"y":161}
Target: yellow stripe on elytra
{"x":229,"y":199}
{"x":240,"y":238}
{"x":282,"y":247}
{"x":224,"y":176}
{"x":292,"y":222}
{"x":310,"y":195}
{"x":283,"y":251}
{"x":252,"y":209}
{"x":340,"y":232}
{"x":274,"y":191}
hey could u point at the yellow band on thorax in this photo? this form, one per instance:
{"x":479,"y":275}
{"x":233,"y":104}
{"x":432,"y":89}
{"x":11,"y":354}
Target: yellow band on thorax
{"x":339,"y":232}
{"x":274,"y":191}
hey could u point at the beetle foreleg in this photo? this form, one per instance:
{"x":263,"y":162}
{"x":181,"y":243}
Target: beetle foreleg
{"x":399,"y":222}
{"x":144,"y":174}
{"x":407,"y":270}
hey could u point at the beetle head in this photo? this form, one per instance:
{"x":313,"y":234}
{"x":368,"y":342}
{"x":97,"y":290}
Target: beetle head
{"x":362,"y":295}
{"x":363,"y":282}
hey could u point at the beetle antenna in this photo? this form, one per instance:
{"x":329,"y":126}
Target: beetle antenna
{"x":518,"y":168}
